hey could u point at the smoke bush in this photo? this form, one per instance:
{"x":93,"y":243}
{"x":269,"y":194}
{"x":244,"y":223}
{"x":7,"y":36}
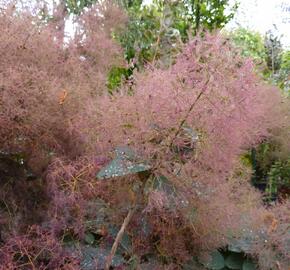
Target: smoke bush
{"x":47,"y":92}
{"x":190,"y":123}
{"x":213,"y":92}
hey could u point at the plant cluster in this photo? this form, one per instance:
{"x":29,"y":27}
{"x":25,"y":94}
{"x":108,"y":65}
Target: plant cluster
{"x":150,"y":176}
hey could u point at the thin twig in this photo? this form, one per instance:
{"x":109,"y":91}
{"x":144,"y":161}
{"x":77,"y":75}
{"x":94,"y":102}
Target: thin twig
{"x":119,"y":237}
{"x":188,"y":113}
{"x":183,"y":121}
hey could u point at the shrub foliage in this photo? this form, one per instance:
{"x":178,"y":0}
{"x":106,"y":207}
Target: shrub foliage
{"x":75,"y":159}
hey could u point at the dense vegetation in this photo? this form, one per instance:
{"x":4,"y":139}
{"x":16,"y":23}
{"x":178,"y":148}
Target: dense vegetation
{"x":136,"y":144}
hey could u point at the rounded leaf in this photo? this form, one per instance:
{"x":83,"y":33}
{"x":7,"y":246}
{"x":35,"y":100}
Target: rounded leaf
{"x":216,"y":261}
{"x":89,"y":238}
{"x":235,"y":261}
{"x":249,"y":265}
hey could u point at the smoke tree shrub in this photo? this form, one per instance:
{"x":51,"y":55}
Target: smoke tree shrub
{"x":47,"y":91}
{"x":215,"y":93}
{"x":190,"y":123}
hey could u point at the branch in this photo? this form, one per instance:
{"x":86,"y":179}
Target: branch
{"x":119,"y":238}
{"x":188,"y":112}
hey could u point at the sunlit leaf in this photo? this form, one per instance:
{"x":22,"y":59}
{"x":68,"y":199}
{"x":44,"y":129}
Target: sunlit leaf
{"x":125,"y":163}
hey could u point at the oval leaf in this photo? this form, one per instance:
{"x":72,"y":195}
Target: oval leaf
{"x":235,"y":261}
{"x":89,"y":238}
{"x":125,"y":163}
{"x":215,"y":262}
{"x":249,"y":265}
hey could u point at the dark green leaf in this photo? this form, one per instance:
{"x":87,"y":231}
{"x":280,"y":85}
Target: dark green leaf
{"x":163,"y":184}
{"x":89,"y":238}
{"x":215,"y":262}
{"x":243,"y":244}
{"x":95,"y":258}
{"x":125,"y":243}
{"x":249,"y":265}
{"x":125,"y":163}
{"x":192,"y":264}
{"x":235,"y":261}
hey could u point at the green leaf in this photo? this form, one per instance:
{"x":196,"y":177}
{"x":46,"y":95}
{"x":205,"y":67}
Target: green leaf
{"x":124,"y":152}
{"x":163,"y":184}
{"x":125,"y":243}
{"x":89,"y":238}
{"x":95,"y":258}
{"x":125,"y":163}
{"x":215,"y":262}
{"x":115,"y":77}
{"x":235,"y":261}
{"x":192,"y":264}
{"x":249,"y":265}
{"x":120,"y":167}
{"x":234,"y":248}
{"x":238,"y":245}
